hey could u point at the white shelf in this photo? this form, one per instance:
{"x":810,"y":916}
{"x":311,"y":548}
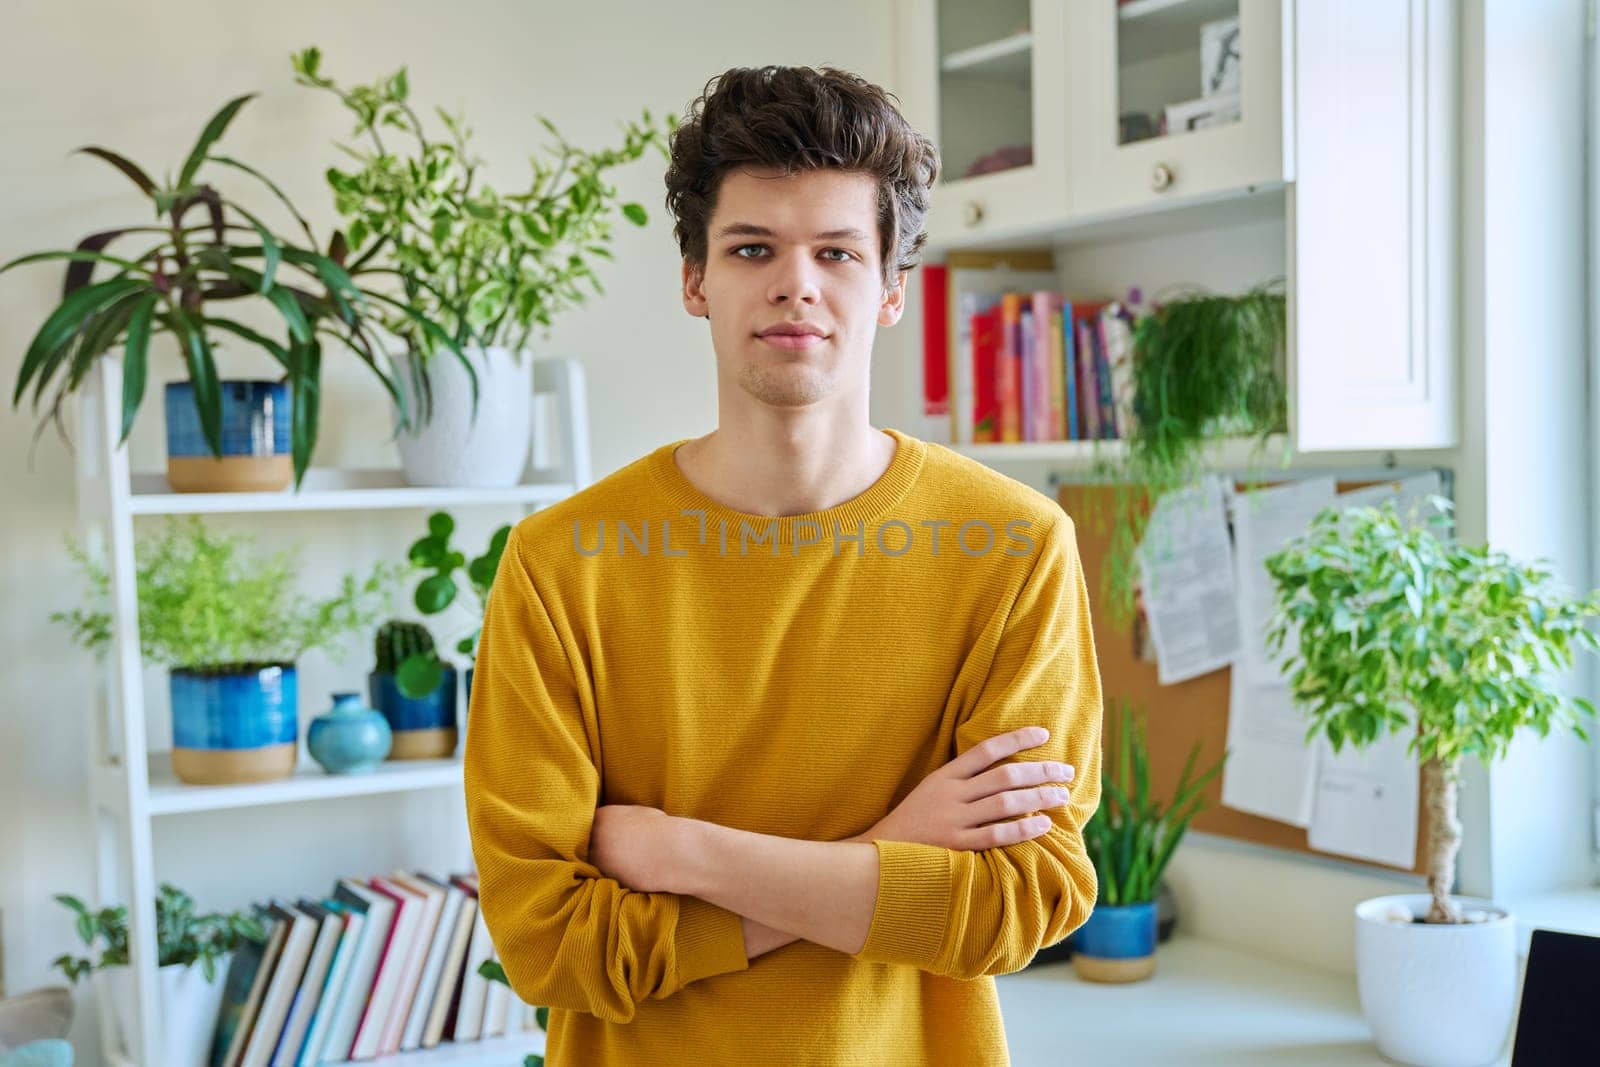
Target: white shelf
{"x":168,"y":796}
{"x":504,"y":1051}
{"x":1234,"y":453}
{"x":327,"y":489}
{"x":1194,"y":12}
{"x":1008,"y":58}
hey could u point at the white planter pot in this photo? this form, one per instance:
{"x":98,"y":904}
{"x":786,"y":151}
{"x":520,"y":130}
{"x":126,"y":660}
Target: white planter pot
{"x":187,"y":1011}
{"x":1436,"y":995}
{"x":453,"y":449}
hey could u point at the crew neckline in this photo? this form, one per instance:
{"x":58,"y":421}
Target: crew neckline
{"x":875,"y":500}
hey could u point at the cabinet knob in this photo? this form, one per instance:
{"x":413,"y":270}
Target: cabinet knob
{"x":1161,"y":177}
{"x":972,"y":212}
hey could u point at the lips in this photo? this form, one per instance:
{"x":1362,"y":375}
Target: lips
{"x":792,"y":341}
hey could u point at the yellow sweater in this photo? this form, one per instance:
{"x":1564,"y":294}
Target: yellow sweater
{"x":794,"y":676}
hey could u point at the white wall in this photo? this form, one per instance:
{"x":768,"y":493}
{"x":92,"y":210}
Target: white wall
{"x":143,"y":80}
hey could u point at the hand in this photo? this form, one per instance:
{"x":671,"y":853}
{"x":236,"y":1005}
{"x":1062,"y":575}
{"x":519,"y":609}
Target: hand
{"x":960,"y":805}
{"x":634,"y":845}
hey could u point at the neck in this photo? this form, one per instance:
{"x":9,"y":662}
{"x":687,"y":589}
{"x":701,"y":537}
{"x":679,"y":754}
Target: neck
{"x":775,"y":465}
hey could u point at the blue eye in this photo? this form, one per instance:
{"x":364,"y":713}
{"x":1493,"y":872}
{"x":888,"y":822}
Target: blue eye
{"x":847,"y":256}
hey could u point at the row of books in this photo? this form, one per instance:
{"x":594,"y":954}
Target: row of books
{"x":1011,"y":364}
{"x":380,"y":965}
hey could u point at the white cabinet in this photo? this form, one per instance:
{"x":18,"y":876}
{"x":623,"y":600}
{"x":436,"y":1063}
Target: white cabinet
{"x":988,"y":82}
{"x":1372,"y":219}
{"x":1174,"y":100}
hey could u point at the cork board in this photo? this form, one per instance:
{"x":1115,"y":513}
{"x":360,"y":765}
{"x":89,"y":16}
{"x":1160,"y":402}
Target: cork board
{"x":1179,"y":715}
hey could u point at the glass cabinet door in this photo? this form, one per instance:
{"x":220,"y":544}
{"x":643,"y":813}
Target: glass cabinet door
{"x":997,"y":75}
{"x":1178,"y":67}
{"x":1186,"y":101}
{"x":986,"y":75}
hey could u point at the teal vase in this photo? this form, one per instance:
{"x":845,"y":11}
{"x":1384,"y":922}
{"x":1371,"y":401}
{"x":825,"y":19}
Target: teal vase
{"x":349,"y":738}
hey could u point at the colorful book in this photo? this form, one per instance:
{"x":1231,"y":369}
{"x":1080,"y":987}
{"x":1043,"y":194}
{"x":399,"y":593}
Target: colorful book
{"x":433,"y":966}
{"x":448,"y":994}
{"x":1029,"y":392}
{"x":245,"y":983}
{"x":379,"y":912}
{"x":432,"y":895}
{"x":338,"y":973}
{"x":1102,"y":373}
{"x":286,"y":977}
{"x":330,"y":926}
{"x":1009,"y":367}
{"x":1069,"y":372}
{"x":474,"y":986}
{"x":391,"y":967}
{"x":987,"y":327}
{"x":935,"y":343}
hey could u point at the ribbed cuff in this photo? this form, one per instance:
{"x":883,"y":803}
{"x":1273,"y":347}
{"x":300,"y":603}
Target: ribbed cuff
{"x":709,"y":940}
{"x":913,"y":909}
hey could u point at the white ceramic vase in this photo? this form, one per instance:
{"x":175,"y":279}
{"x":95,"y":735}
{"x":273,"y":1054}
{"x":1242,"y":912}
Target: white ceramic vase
{"x":187,"y":1011}
{"x":1436,"y":995}
{"x":454,"y":449}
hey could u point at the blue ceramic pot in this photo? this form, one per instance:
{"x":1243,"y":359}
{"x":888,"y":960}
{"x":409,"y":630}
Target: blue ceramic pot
{"x":350,"y":737}
{"x":256,"y":445}
{"x":1117,"y":944}
{"x":237,"y":726}
{"x":424,"y":727}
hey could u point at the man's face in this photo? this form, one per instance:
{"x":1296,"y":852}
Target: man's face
{"x":797,"y":250}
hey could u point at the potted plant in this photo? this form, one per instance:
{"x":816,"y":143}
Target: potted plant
{"x":1402,"y":630}
{"x":230,"y":627}
{"x":452,"y":575}
{"x":490,"y":267}
{"x":1130,"y":839}
{"x":206,"y":253}
{"x":1205,"y":366}
{"x":192,"y":950}
{"x":415,"y":690}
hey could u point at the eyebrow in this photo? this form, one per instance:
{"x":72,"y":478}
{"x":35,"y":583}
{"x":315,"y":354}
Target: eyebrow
{"x":750,"y":229}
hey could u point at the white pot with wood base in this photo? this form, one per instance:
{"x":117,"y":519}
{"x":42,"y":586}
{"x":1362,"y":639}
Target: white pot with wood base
{"x":1436,"y":994}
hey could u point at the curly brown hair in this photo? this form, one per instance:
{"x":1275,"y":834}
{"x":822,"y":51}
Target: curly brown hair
{"x":795,"y":119}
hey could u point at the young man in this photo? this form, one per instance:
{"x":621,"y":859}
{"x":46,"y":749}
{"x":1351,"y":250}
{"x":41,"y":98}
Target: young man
{"x":740,"y":772}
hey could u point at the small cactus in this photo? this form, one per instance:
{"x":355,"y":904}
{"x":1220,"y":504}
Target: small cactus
{"x":397,"y":641}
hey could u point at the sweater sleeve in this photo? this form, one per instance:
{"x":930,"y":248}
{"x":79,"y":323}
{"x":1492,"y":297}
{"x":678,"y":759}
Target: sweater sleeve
{"x":567,"y":936}
{"x":964,"y":914}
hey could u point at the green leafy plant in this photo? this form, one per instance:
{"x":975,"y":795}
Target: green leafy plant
{"x":1131,"y":837}
{"x":176,"y":285}
{"x":1205,"y":366}
{"x":494,"y":972}
{"x":406,"y":650}
{"x":439,"y":590}
{"x":489,"y":266}
{"x":182,"y":935}
{"x":208,"y":603}
{"x":1401,"y":629}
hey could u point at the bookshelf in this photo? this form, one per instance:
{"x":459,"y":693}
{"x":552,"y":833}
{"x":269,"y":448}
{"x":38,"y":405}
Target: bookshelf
{"x":131,"y":787}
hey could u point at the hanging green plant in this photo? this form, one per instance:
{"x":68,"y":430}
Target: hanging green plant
{"x":1206,"y":366}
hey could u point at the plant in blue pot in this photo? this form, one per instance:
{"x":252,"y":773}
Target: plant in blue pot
{"x":195,"y":265}
{"x":454,"y":575}
{"x":230,"y":626}
{"x":415,"y":690}
{"x":1131,"y":838}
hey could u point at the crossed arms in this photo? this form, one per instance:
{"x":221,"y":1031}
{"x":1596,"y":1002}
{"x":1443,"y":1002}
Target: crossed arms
{"x":597,"y":915}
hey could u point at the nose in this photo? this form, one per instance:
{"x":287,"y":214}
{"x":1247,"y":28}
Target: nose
{"x":794,"y":280}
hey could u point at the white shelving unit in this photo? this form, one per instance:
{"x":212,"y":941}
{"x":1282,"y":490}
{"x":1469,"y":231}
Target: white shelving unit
{"x":130,"y":787}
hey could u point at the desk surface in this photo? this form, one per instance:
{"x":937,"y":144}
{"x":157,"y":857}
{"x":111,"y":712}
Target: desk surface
{"x":1207,"y":1004}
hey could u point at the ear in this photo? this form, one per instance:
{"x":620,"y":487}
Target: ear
{"x":894,"y":301}
{"x":694,"y":298}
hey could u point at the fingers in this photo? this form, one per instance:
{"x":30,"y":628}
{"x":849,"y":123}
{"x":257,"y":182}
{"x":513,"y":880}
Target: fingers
{"x":993,"y":750}
{"x":1017,"y":802}
{"x":1005,"y":833}
{"x":1018,"y":776}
